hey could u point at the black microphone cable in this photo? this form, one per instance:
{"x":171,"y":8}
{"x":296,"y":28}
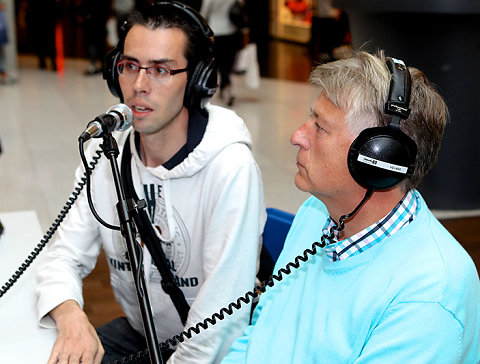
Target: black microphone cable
{"x":88,"y":183}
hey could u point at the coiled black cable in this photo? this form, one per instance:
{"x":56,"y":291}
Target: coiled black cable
{"x":229,"y":310}
{"x":142,"y":356}
{"x":53,"y":228}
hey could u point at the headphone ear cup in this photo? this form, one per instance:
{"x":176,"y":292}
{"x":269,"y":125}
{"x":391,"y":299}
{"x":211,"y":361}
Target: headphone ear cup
{"x":110,"y":73}
{"x":381,"y":157}
{"x":202,"y":85}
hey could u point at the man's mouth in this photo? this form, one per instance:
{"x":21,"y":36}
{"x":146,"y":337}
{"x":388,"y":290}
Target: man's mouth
{"x":141,"y":109}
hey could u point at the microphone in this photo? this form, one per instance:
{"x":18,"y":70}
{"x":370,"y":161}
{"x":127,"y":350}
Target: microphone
{"x":118,"y":117}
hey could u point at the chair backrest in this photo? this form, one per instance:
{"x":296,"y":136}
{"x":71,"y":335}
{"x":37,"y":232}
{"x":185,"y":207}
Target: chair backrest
{"x":276,"y":228}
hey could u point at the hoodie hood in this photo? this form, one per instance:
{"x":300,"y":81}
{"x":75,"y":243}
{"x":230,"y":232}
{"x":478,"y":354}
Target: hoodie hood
{"x":224,"y":128}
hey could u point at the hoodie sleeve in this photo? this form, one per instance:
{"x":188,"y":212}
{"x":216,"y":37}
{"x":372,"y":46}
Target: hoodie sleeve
{"x":69,"y":258}
{"x":232,"y":239}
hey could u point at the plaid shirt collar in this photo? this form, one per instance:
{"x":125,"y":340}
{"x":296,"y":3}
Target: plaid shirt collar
{"x":401,"y":215}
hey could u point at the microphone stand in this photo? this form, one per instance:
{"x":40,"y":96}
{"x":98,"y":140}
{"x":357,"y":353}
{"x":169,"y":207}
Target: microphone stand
{"x":125,"y":209}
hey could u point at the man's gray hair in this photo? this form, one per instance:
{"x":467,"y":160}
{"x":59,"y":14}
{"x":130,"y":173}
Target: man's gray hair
{"x":359,"y":85}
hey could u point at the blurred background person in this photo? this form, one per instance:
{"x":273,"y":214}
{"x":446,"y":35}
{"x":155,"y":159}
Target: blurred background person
{"x":93,"y":16}
{"x":330,"y":32}
{"x":228,"y":41}
{"x":3,"y":42}
{"x":121,"y":9}
{"x":42,"y":17}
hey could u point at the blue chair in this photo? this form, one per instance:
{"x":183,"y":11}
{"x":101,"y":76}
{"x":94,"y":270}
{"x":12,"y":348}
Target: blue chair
{"x":276,"y":228}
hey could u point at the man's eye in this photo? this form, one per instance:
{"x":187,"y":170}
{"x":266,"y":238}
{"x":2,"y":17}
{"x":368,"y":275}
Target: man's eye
{"x":131,"y":66}
{"x":160,"y":71}
{"x":318,"y":127}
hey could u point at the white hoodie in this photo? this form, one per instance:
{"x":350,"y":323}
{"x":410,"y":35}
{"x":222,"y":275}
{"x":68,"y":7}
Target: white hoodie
{"x":208,"y":211}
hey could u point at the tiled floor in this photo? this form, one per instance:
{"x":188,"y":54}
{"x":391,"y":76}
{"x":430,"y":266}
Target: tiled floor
{"x":43,"y":114}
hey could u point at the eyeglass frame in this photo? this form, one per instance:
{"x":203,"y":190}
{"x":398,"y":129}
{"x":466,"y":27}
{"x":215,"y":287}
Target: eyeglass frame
{"x":171,"y":72}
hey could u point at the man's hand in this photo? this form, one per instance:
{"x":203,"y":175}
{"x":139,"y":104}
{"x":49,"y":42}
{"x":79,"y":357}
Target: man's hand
{"x":77,"y":340}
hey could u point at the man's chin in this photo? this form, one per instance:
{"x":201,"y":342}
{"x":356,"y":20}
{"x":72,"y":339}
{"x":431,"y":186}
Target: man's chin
{"x":300,"y":183}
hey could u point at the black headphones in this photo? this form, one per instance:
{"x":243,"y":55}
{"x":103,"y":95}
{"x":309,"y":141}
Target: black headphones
{"x":381,"y":157}
{"x":202,"y":77}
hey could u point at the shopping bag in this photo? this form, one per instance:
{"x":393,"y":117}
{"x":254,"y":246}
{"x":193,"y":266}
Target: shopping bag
{"x":240,"y":64}
{"x":246,"y":63}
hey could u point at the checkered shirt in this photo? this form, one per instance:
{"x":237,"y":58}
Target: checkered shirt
{"x":401,"y":215}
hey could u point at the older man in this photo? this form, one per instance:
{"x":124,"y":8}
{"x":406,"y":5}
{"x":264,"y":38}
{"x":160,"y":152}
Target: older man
{"x":385,"y":282}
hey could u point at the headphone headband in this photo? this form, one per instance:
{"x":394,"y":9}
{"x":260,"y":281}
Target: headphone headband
{"x":400,"y":87}
{"x":192,"y":14}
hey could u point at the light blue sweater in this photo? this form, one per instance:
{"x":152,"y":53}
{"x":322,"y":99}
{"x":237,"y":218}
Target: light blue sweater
{"x":412,"y":298}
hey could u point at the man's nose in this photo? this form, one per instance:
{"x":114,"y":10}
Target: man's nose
{"x":299,"y":138}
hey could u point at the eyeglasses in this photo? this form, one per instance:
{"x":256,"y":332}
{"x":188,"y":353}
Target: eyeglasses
{"x":157,"y":72}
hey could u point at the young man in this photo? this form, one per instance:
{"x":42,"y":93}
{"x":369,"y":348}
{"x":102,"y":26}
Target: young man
{"x":389,"y":284}
{"x":204,"y":195}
